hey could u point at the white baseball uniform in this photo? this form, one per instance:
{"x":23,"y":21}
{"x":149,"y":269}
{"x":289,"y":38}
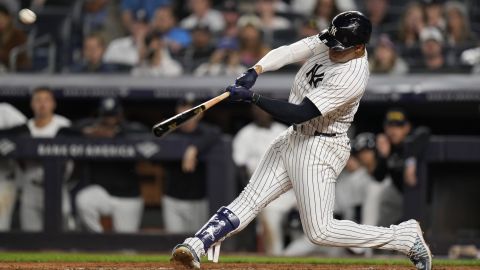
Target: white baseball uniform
{"x":94,"y":201}
{"x":32,"y":197}
{"x":9,"y":169}
{"x":310,"y":164}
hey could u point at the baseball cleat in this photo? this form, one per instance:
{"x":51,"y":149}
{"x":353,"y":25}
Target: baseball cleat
{"x":184,"y":255}
{"x":420,"y":254}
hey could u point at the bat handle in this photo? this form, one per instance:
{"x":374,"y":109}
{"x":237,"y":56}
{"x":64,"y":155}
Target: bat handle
{"x":212,"y":102}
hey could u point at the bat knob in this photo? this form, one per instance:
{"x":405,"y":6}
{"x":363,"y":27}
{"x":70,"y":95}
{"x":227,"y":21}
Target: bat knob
{"x":158,"y":131}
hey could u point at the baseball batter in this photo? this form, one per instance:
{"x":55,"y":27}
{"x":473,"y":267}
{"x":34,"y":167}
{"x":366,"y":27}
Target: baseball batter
{"x":309,"y":156}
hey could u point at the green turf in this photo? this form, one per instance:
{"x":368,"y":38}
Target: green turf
{"x":79,"y":257}
{"x":118,"y":257}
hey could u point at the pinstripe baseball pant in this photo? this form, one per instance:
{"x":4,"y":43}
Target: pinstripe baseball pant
{"x":310,"y":165}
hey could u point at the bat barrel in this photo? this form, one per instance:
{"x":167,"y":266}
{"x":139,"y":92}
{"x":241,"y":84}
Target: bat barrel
{"x":174,"y":122}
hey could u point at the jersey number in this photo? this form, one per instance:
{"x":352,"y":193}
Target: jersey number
{"x":314,"y":77}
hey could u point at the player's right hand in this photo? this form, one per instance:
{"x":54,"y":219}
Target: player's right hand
{"x":247,"y":79}
{"x":383,"y":145}
{"x":239,"y":93}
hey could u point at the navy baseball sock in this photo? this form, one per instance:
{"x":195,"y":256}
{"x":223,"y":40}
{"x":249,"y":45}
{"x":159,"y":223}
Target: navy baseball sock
{"x":222,"y":223}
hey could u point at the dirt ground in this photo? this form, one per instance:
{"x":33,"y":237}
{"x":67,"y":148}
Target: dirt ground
{"x":243,"y":266}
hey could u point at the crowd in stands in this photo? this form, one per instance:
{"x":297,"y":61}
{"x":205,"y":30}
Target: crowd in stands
{"x":223,"y":37}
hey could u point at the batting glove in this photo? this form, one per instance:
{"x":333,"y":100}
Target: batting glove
{"x":239,"y":93}
{"x":247,"y":79}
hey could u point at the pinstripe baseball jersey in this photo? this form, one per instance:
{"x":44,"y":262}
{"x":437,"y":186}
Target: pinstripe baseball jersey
{"x":335,"y":88}
{"x":310,"y":165}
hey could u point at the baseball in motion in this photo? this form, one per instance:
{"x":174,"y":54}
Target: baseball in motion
{"x":309,"y":156}
{"x":27,"y":16}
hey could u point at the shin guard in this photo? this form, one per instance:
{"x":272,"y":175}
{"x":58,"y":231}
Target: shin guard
{"x":220,"y":225}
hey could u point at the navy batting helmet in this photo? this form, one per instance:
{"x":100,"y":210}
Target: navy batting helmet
{"x":347,"y":29}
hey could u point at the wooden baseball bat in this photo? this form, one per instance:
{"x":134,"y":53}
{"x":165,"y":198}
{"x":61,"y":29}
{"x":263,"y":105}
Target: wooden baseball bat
{"x":169,"y":125}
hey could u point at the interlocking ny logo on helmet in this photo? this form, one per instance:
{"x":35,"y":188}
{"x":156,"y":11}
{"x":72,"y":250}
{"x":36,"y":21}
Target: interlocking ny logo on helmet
{"x":346,"y":30}
{"x":333,"y":30}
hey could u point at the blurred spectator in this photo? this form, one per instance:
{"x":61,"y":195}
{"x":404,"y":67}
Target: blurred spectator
{"x":230,"y":15}
{"x":249,"y":19}
{"x":471,"y":57}
{"x":9,"y":169}
{"x":252,"y":48}
{"x":174,"y":37}
{"x":305,"y":7}
{"x":385,"y":58}
{"x":156,"y":60}
{"x":203,"y":15}
{"x":379,"y":14}
{"x":134,"y":11}
{"x":102,"y":16}
{"x":95,"y":14}
{"x":433,"y":58}
{"x":459,"y":32}
{"x":113,"y":189}
{"x":11,"y":37}
{"x":200,"y":49}
{"x":185,"y":205}
{"x":459,"y":35}
{"x":249,"y":146}
{"x":93,"y":51}
{"x":269,"y":20}
{"x":44,"y":124}
{"x":324,"y":12}
{"x":434,"y":15}
{"x":411,"y":24}
{"x":126,"y":50}
{"x":400,"y":149}
{"x":225,"y":60}
{"x":307,"y":29}
{"x":229,"y":37}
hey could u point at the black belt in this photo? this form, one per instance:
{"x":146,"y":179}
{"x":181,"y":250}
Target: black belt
{"x":316,"y":133}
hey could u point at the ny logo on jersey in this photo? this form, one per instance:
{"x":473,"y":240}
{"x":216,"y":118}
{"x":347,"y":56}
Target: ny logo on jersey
{"x":333,"y":30}
{"x":314,"y":77}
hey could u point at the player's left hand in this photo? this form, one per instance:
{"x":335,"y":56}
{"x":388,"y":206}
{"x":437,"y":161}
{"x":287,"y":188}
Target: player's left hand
{"x":247,"y":79}
{"x":189,"y":162}
{"x":239,"y":93}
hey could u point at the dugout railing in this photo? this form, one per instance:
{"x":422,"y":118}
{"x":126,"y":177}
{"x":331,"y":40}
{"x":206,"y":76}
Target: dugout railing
{"x":412,"y":87}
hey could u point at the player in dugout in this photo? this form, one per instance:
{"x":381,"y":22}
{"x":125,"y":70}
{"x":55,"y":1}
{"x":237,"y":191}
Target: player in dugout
{"x":112,"y":189}
{"x":185,"y":204}
{"x":399,"y":149}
